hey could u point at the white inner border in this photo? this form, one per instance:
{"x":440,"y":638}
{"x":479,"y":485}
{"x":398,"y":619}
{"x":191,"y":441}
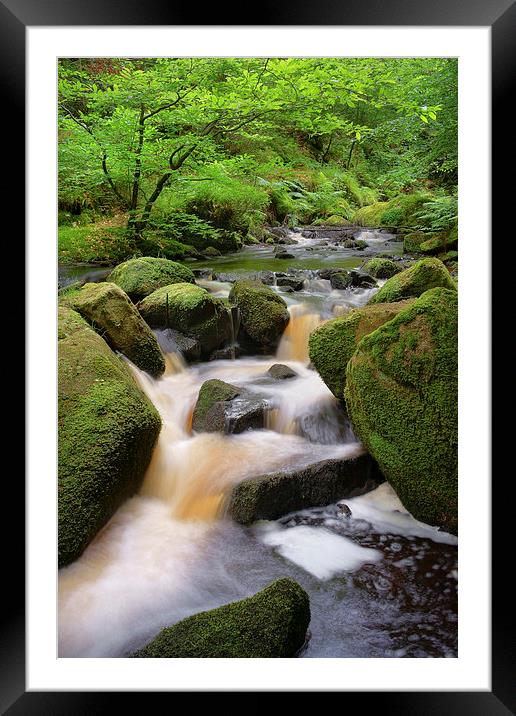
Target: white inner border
{"x":471,"y":670}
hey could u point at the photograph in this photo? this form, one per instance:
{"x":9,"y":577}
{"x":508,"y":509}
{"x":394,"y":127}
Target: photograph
{"x":258,"y":418}
{"x":258,"y":279}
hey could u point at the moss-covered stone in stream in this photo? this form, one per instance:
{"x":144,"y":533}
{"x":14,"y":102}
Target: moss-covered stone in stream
{"x":110,"y":312}
{"x":211,"y":392}
{"x":440,"y":243}
{"x":333,"y":343}
{"x":264,"y":315}
{"x":382,"y":268}
{"x":420,"y":277}
{"x":191,"y":310}
{"x":270,"y":496}
{"x":270,"y":624}
{"x":140,"y":277}
{"x":412,"y":241}
{"x":106,"y":428}
{"x":401,"y":396}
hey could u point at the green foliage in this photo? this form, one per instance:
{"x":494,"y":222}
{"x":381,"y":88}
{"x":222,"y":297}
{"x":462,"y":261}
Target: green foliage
{"x":94,"y":244}
{"x":438,"y":214}
{"x":240,"y":141}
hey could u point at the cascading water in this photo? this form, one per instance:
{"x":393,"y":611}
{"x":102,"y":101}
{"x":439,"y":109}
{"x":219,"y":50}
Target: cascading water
{"x":381,"y":584}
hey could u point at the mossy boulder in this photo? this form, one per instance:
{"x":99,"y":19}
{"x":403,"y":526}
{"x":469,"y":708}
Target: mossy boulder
{"x":222,"y":407}
{"x":270,"y":624}
{"x":110,"y":312}
{"x":211,"y":251}
{"x":440,"y":243}
{"x":263,"y":313}
{"x":412,"y":242}
{"x":401,"y":396}
{"x":191,"y":310}
{"x":420,"y":277}
{"x":107,"y":429}
{"x":333,"y":343}
{"x":140,"y":277}
{"x":268,"y":497}
{"x":381,"y":268}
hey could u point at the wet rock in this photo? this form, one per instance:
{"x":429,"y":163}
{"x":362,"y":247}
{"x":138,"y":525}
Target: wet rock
{"x":333,"y":343}
{"x":110,"y":312}
{"x":340,"y":280}
{"x":271,"y":624}
{"x":278,"y":371}
{"x":309,"y":234}
{"x":225,"y":408}
{"x":381,"y":268}
{"x":401,"y":395}
{"x":264,"y":314}
{"x":191,"y":310}
{"x":140,"y":277}
{"x":227,"y":353}
{"x":276,"y":494}
{"x":420,"y":277}
{"x":171,"y":341}
{"x":203,"y":273}
{"x":327,"y":273}
{"x":361,"y":280}
{"x":266,"y":277}
{"x":284,"y":255}
{"x":349,"y":244}
{"x":344,"y":510}
{"x":360,"y":244}
{"x":107,"y":431}
{"x":295,"y":283}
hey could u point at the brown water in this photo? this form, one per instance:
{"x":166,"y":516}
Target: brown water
{"x":380,"y":584}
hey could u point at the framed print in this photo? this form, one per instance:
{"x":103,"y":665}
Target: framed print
{"x":60,"y":669}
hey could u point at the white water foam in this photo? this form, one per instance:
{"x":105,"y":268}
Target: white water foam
{"x":317,"y":550}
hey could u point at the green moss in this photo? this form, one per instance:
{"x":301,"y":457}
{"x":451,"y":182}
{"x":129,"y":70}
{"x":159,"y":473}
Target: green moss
{"x":107,"y":429}
{"x":264,"y":314}
{"x":333,"y":343}
{"x":401,"y":395}
{"x":94,"y":243}
{"x":110,"y":312}
{"x":211,"y":251}
{"x":333,"y":220}
{"x":270,"y":624}
{"x":381,"y":268}
{"x":370,"y":215}
{"x":420,"y":277}
{"x":450,"y":256}
{"x":412,"y":241}
{"x":191,"y":310}
{"x":140,"y":277}
{"x":211,"y":392}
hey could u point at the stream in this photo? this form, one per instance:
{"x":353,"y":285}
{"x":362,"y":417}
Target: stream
{"x":381,"y":584}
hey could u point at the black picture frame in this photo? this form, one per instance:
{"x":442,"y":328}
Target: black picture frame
{"x":500,"y":16}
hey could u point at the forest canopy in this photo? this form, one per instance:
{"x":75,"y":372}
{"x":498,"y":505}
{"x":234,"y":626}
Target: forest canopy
{"x":166,"y":156}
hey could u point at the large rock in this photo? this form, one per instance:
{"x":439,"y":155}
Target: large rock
{"x":412,"y":242}
{"x":140,"y":277}
{"x":271,"y":624}
{"x":264,"y":314}
{"x":107,"y":429}
{"x":225,"y":408}
{"x":110,"y":312}
{"x":401,"y":395}
{"x":270,"y":496}
{"x":333,"y":343}
{"x":420,"y":277}
{"x":190,"y":310}
{"x":381,"y":268}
